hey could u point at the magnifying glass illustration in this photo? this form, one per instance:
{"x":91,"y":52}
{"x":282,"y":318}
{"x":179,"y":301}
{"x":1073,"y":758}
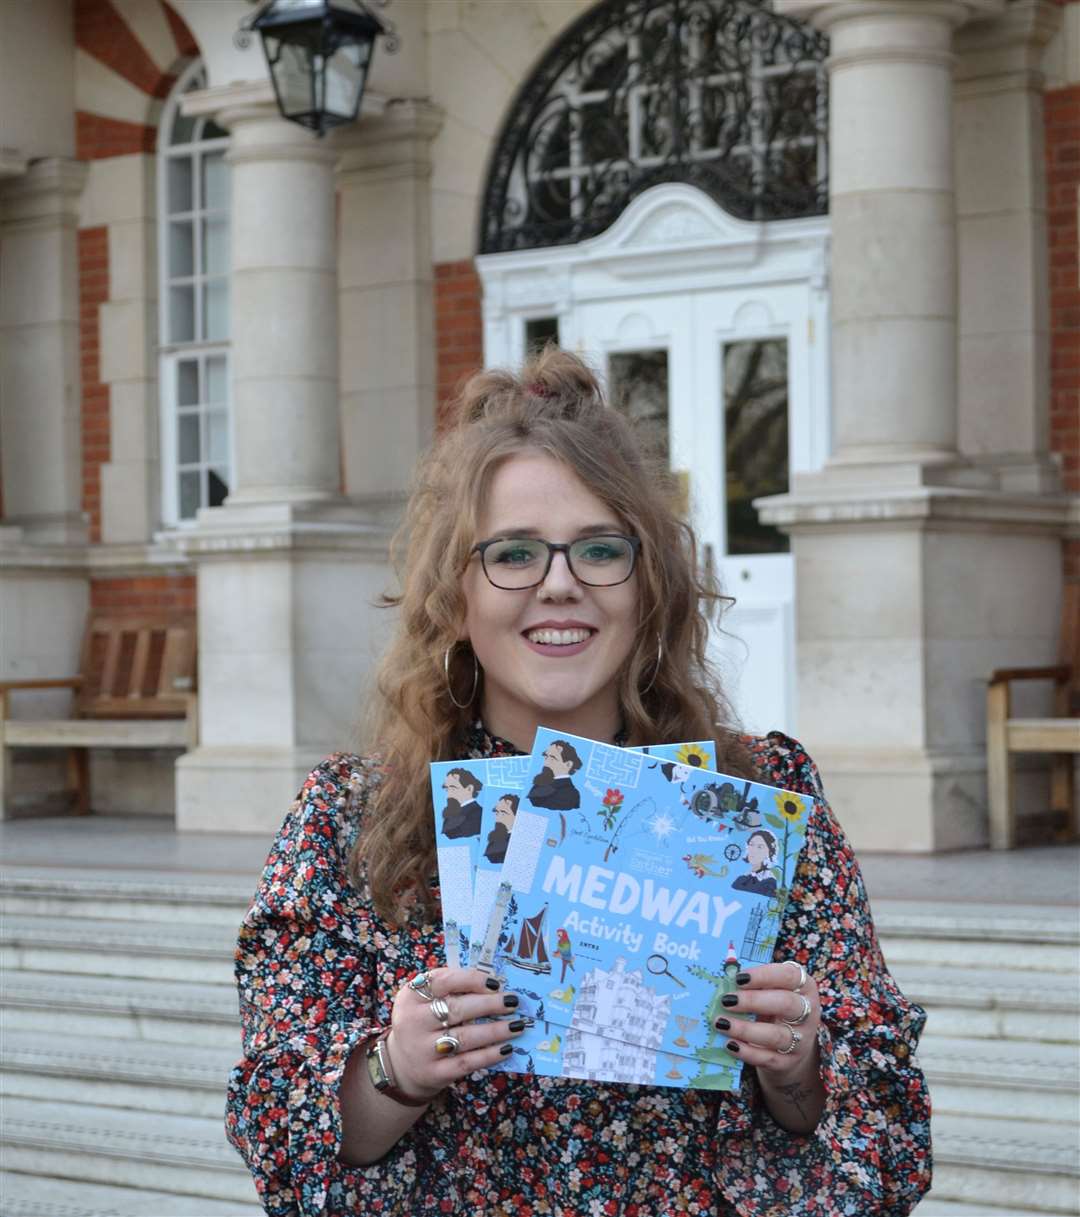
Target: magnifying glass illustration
{"x":658,"y":966}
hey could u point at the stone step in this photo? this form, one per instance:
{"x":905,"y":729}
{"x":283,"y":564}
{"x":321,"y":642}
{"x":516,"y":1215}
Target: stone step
{"x":33,"y":1196}
{"x":1007,"y":1080}
{"x":931,"y":1206}
{"x":1020,"y":923}
{"x":98,"y":947}
{"x":991,"y":1003}
{"x":181,"y":1155}
{"x":123,"y":895}
{"x":183,"y":1080}
{"x":1022,"y":1165}
{"x":60,"y":1004}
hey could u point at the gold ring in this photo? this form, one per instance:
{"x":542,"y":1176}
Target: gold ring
{"x":796,"y":1039}
{"x":806,"y":1007}
{"x":447,"y":1045}
{"x":421,"y":986}
{"x":803,"y":977}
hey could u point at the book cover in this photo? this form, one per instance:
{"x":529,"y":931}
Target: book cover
{"x":631,"y":893}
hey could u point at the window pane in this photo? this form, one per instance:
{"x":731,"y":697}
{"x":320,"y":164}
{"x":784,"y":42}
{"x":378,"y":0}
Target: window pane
{"x":187,"y":382}
{"x":638,"y":383}
{"x":216,"y":310}
{"x":183,"y":129}
{"x":179,"y":179}
{"x":755,"y":440}
{"x":181,"y":314}
{"x":181,"y":249}
{"x":217,"y":437}
{"x":188,"y":437}
{"x":215,"y":182}
{"x":216,"y":380}
{"x":539,"y":331}
{"x":215,"y":249}
{"x":190,"y":495}
{"x":212,"y":131}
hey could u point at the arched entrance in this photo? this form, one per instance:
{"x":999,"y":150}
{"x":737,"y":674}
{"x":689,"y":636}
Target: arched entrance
{"x":656,"y":202}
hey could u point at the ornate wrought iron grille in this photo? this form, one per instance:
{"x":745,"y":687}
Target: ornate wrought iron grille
{"x":723,"y":94}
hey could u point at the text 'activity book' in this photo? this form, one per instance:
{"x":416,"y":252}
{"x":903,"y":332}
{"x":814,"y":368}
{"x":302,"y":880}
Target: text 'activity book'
{"x":618,"y":892}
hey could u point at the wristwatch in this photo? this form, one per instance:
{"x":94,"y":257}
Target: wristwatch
{"x":381,"y":1074}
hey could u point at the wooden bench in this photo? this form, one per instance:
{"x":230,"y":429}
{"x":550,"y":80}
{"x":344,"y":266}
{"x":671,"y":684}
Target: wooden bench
{"x":1059,"y":734}
{"x":135,"y":689}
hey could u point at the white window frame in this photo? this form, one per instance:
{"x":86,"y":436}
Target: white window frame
{"x":170,"y":354}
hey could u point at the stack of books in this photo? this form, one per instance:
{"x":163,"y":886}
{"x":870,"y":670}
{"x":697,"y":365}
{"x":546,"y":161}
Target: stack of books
{"x":618,"y":892}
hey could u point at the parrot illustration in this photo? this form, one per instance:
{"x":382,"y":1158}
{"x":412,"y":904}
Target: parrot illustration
{"x":701,"y":865}
{"x":565,"y":952}
{"x":551,"y":1045}
{"x":564,"y":995}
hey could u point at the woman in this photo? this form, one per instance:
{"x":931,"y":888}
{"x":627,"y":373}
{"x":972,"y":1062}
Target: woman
{"x":341,"y":945}
{"x":761,"y":849}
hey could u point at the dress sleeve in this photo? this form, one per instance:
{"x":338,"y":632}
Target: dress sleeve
{"x":306,"y":988}
{"x":870,"y":1153}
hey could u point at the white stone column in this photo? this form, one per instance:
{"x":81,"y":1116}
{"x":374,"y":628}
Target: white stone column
{"x":914,"y":568}
{"x":288,"y":570}
{"x":386,"y":297}
{"x":1004,"y":333}
{"x":283,"y":310}
{"x":40,"y":423}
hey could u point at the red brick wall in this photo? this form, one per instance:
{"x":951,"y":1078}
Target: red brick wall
{"x":93,"y":292}
{"x":149,"y":594}
{"x":1062,"y":111}
{"x":459,"y":332}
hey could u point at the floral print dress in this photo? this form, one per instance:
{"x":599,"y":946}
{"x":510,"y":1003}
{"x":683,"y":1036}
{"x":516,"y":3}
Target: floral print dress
{"x":317,"y":970}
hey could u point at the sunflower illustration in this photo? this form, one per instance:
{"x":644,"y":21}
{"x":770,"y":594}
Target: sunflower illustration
{"x":692,"y":755}
{"x":790,"y":806}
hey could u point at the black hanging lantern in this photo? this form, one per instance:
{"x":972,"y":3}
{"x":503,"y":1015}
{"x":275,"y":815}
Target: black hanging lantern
{"x":319,"y":53}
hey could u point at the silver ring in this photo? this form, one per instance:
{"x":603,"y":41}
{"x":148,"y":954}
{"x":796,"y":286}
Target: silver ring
{"x":441,"y":1010}
{"x":796,"y":1039}
{"x":421,"y":986}
{"x":803,"y":977}
{"x":447,"y":1045}
{"x":806,"y":1007}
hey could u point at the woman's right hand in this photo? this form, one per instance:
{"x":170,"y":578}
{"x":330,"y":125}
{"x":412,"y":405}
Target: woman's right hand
{"x":418,"y":1069}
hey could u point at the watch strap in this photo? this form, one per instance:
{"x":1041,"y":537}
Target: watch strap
{"x":381,"y":1073}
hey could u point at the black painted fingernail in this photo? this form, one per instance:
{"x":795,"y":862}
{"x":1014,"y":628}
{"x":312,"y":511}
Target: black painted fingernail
{"x":731,"y":1046}
{"x":510,"y":1000}
{"x":722,"y":1024}
{"x":742,"y":978}
{"x":492,"y":984}
{"x":506,"y":1049}
{"x":517,"y":1025}
{"x":729,"y":1000}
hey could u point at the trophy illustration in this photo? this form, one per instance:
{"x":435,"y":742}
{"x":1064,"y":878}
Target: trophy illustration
{"x":685,"y":1024}
{"x":673,"y":1072}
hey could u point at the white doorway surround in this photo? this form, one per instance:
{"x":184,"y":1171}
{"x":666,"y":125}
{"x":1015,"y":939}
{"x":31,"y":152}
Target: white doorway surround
{"x":724,"y":323}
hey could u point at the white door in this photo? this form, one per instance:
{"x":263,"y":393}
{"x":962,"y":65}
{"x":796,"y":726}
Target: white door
{"x":724,"y":378}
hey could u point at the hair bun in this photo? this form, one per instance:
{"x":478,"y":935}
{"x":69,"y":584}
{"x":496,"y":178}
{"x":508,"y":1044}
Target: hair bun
{"x":552,"y":382}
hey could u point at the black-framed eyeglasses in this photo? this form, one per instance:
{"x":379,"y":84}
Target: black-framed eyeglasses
{"x":515,"y":563}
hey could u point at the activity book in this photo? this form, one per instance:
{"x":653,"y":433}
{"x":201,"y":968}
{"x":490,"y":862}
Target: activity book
{"x":618,"y":892}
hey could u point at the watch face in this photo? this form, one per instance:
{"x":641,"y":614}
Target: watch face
{"x":376,"y":1071}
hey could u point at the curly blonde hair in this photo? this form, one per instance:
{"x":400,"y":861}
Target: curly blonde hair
{"x":555,"y":406}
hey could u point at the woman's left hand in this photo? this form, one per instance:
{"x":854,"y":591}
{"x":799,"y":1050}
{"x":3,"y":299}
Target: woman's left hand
{"x":782,"y":1042}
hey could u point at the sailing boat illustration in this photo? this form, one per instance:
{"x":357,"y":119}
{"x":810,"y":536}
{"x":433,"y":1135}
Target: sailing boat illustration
{"x":531,"y":953}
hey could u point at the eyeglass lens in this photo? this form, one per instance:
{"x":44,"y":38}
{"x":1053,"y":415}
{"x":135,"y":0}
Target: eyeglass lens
{"x":522,"y":562}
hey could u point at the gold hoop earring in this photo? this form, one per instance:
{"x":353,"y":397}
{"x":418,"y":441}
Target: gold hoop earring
{"x":659,"y":661}
{"x":461,"y":705}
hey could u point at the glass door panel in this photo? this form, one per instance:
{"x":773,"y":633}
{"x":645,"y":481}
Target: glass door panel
{"x":638,"y":388}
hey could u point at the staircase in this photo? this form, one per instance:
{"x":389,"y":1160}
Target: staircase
{"x":120,"y":1025}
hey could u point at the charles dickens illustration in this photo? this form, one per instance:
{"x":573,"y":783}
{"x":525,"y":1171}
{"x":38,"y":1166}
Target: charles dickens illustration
{"x":632,"y":912}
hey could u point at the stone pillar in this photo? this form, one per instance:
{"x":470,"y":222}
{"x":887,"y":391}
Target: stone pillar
{"x":914,"y":569}
{"x":287,"y":569}
{"x":387,"y":298}
{"x":1004,"y":341}
{"x":283,"y":310}
{"x":40,"y":424}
